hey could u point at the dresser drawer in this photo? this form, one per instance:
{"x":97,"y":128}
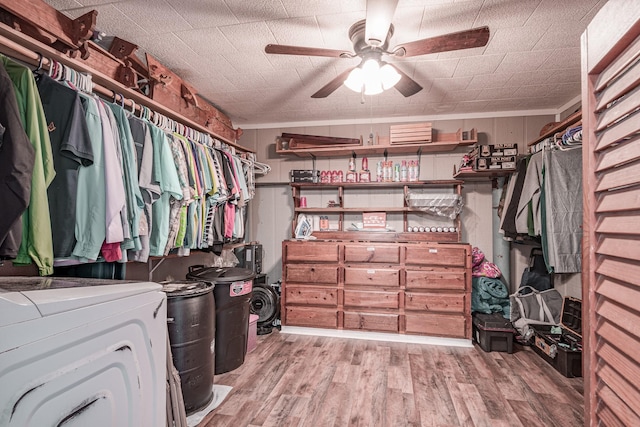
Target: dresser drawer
{"x":371,"y":299}
{"x":372,"y":253}
{"x":436,"y":324}
{"x":310,"y":252}
{"x":311,"y":274}
{"x":434,"y":301}
{"x":371,"y":276}
{"x":437,"y":278}
{"x":311,"y":295}
{"x":311,"y":316}
{"x":436,"y":255}
{"x":386,"y":322}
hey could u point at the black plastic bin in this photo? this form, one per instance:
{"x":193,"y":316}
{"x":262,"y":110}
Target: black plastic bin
{"x":232,"y":291}
{"x":191,"y":325}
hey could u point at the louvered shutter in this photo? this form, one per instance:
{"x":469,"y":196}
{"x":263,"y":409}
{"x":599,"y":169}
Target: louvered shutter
{"x":611,"y":244}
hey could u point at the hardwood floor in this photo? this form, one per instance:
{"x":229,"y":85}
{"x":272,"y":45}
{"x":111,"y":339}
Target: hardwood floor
{"x":296,"y":380}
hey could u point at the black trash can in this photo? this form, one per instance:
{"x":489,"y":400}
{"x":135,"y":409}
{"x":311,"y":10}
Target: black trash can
{"x":232,"y":291}
{"x":191,"y":324}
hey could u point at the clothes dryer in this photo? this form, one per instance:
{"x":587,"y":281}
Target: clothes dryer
{"x":82,"y":352}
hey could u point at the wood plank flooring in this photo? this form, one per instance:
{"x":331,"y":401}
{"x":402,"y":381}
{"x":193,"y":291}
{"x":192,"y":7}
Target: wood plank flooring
{"x":296,"y":380}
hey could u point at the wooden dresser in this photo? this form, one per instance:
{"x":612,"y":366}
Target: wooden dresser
{"x":401,"y":287}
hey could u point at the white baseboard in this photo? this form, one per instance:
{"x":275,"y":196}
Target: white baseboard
{"x":377,"y":336}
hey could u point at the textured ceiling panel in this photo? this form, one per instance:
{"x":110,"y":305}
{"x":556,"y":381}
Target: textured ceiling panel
{"x":531,"y":62}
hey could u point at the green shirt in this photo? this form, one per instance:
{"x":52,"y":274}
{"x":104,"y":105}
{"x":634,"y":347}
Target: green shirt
{"x":37,"y":244}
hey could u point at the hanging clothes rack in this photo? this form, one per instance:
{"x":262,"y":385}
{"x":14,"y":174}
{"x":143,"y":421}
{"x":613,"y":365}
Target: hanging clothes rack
{"x":27,"y":50}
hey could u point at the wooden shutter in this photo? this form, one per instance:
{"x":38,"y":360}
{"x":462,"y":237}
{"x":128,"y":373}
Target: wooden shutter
{"x":611,"y":243}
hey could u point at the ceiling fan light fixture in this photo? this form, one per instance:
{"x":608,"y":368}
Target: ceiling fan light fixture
{"x":371,"y":78}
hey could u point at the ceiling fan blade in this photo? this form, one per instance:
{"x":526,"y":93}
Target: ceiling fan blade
{"x":475,"y":37}
{"x":378,"y":20}
{"x":307,"y":51}
{"x":334,"y":84}
{"x":407,"y":86}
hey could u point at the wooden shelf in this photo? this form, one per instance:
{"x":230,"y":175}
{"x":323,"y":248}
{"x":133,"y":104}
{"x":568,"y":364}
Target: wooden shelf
{"x":343,"y":233}
{"x":386,"y":236}
{"x":357,"y":210}
{"x":471,"y":175}
{"x":443,"y":142}
{"x":571,"y":120}
{"x":432,"y":183}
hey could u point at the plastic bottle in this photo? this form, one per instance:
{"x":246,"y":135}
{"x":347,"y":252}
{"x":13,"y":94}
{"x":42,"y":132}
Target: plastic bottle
{"x":365,"y":164}
{"x":379,"y":176}
{"x":352,"y":164}
{"x":412,"y":171}
{"x":404,"y":172}
{"x":396,"y":173}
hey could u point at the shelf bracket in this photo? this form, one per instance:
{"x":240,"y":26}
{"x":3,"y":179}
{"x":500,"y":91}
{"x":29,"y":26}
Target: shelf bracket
{"x":313,"y":162}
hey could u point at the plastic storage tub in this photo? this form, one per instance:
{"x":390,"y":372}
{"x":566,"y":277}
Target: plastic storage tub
{"x":191,"y":324}
{"x":493,"y":332}
{"x":232,"y":291}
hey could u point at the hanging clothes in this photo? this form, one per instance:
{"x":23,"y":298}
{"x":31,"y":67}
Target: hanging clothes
{"x":17,"y":157}
{"x":529,"y":214}
{"x":508,"y":222}
{"x":177,"y":205}
{"x":114,"y":189}
{"x":91,"y":196}
{"x":37,"y":244}
{"x":169,"y":183}
{"x":71,"y":148}
{"x":134,"y":199}
{"x":149,"y":187}
{"x":563,"y":210}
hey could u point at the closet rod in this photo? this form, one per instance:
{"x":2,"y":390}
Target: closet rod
{"x":19,"y":46}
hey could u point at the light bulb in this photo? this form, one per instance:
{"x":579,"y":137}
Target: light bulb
{"x":389,"y":76}
{"x":372,"y":88}
{"x":355,"y":80}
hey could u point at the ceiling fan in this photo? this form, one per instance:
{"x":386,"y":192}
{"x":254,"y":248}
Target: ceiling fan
{"x":370,"y":38}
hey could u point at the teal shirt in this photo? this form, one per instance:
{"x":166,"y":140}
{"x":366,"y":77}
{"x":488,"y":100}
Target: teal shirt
{"x":165,"y":171}
{"x":37,"y":243}
{"x":91,"y":204}
{"x":135,"y":203}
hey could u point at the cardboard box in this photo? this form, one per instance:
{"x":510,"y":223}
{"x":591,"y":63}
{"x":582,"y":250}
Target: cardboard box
{"x":494,"y":150}
{"x":374,"y":220}
{"x":304,"y":175}
{"x":494,"y":163}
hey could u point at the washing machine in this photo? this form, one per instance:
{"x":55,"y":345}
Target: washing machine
{"x":82,"y":352}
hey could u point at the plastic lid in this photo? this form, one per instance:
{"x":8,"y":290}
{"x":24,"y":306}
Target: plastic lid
{"x":221,"y":274}
{"x":185,"y":288}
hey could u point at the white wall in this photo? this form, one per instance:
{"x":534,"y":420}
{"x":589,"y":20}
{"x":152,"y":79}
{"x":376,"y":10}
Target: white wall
{"x":272,"y":210}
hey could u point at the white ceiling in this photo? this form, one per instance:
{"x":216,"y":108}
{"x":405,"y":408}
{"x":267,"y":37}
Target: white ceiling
{"x":531,"y":63}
